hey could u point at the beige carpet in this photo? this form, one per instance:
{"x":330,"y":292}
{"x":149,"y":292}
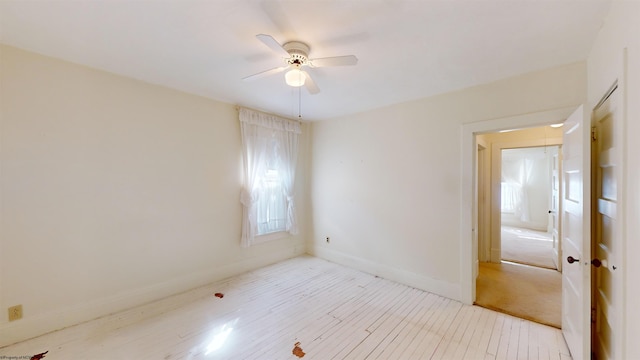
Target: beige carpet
{"x":526,"y":246}
{"x":527,"y":292}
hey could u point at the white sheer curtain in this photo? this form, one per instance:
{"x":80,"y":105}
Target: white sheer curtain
{"x":516,"y":178}
{"x":289,"y":158}
{"x":267,"y":140}
{"x":515,"y":181}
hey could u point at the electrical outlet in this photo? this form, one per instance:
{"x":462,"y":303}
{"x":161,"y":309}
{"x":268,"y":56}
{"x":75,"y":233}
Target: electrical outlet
{"x":15,"y":312}
{"x":328,"y":239}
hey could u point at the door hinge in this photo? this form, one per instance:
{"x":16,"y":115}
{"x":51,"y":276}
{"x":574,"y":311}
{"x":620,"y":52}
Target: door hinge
{"x":594,"y":136}
{"x":593,"y":315}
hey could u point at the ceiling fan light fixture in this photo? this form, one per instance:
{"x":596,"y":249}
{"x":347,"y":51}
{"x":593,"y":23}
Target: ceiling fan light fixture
{"x":295,"y":77}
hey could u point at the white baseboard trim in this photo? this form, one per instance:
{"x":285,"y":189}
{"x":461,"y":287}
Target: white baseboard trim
{"x":438,"y":287}
{"x":496,"y":256}
{"x":30,"y":327}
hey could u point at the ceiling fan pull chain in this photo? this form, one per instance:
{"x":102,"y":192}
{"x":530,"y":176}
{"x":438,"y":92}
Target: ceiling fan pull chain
{"x":299,"y":103}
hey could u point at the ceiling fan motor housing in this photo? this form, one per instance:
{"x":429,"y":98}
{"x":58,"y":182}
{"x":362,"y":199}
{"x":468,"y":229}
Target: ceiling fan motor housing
{"x":299,"y":52}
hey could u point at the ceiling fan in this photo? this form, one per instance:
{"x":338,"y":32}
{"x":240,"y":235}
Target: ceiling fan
{"x":296,"y":56}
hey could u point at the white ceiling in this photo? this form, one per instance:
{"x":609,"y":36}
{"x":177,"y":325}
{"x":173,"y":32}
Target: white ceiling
{"x":406,"y":49}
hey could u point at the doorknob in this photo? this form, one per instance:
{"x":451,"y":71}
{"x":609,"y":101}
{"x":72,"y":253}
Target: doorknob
{"x":597,"y":263}
{"x":571,"y":260}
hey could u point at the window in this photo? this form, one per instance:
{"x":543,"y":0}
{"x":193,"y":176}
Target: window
{"x":270,"y":146}
{"x":272,"y":203}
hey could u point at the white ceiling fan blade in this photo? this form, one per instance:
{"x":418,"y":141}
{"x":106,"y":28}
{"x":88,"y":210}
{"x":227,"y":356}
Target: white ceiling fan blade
{"x":265,"y":73}
{"x":273,"y":45}
{"x":310,"y":84}
{"x":278,"y":16}
{"x":334,"y":61}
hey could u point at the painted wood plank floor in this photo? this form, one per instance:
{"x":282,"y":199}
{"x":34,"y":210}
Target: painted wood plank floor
{"x":332,"y":311}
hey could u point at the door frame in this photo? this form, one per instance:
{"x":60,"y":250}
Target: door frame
{"x":496,"y":171}
{"x":631,"y":289}
{"x":482,"y":236}
{"x":468,"y":186}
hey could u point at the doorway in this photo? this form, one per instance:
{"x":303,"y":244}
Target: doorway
{"x":528,"y":205}
{"x":520,"y":222}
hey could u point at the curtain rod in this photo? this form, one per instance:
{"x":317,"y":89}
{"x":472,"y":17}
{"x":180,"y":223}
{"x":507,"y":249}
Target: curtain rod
{"x":238,"y":107}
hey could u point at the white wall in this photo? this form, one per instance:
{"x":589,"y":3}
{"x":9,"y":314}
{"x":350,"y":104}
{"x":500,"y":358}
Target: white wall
{"x":605,"y":65}
{"x":386,"y":183}
{"x":115,"y":193}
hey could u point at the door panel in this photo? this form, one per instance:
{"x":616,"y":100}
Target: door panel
{"x":606,"y":300}
{"x":576,"y":239}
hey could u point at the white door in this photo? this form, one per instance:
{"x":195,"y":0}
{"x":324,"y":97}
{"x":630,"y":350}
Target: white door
{"x":606,"y":273}
{"x":576,"y":234}
{"x":555,"y":212}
